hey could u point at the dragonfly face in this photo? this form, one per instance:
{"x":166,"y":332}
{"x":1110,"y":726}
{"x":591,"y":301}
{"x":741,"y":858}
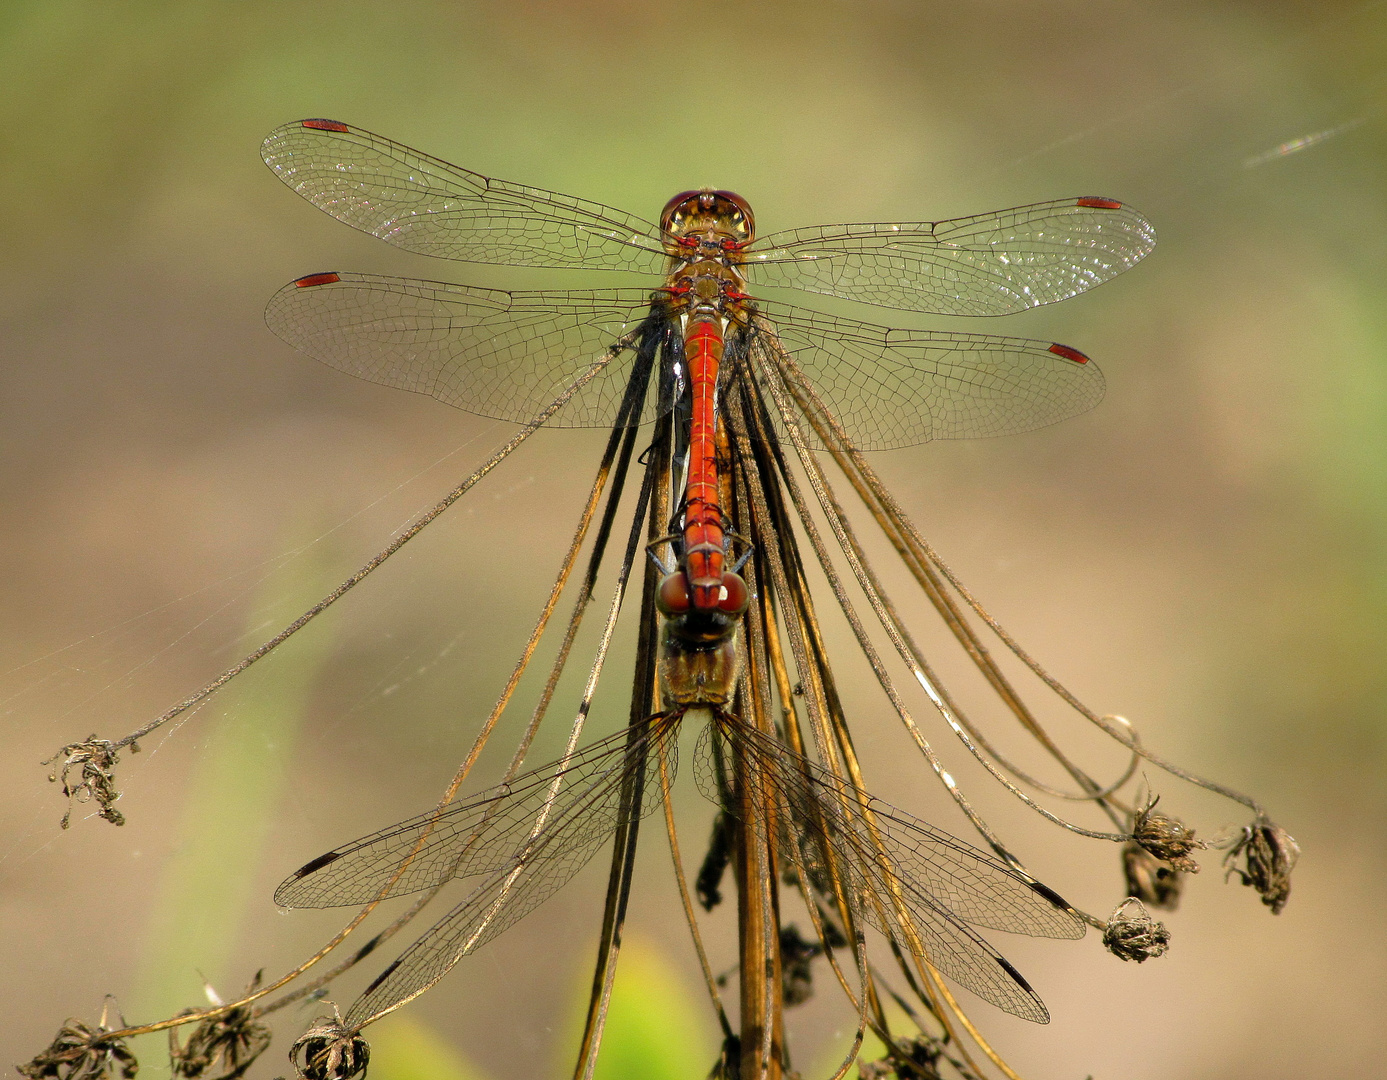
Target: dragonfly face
{"x":700,"y":651}
{"x":707,"y":222}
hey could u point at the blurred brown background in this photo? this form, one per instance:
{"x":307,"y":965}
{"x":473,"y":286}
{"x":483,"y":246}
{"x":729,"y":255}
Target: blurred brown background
{"x":1204,"y":553}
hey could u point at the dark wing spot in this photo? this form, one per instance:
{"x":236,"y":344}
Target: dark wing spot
{"x":386,"y":974}
{"x":317,"y":864}
{"x":1050,"y":895}
{"x":310,"y":280}
{"x":1016,"y":975}
{"x":366,"y":949}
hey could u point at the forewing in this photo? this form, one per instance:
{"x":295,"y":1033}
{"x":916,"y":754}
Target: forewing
{"x":988,"y":264}
{"x":892,"y":388}
{"x":498,"y":354}
{"x":425,"y":205}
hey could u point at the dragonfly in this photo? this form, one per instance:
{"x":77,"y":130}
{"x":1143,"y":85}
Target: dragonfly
{"x":583,"y":358}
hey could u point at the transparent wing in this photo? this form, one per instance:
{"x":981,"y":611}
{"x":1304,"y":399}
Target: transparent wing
{"x":911,"y":880}
{"x":989,"y":264}
{"x":421,"y":204}
{"x":479,"y":836}
{"x":518,"y":852}
{"x":580,"y":822}
{"x":498,"y":354}
{"x":893,"y":388}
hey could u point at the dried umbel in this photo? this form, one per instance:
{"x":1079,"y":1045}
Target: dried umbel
{"x":1151,"y":880}
{"x":330,"y":1051}
{"x":1166,"y":838}
{"x":915,"y":1058}
{"x":97,"y":760}
{"x":220,"y":1048}
{"x":728,"y":1065}
{"x":1133,"y":934}
{"x":81,"y":1052}
{"x":1269,"y":854}
{"x":796,"y":960}
{"x":709,"y":882}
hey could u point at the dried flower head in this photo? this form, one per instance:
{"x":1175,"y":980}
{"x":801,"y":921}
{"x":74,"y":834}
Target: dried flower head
{"x":796,"y":971}
{"x":221,"y":1047}
{"x":729,"y":1063}
{"x":81,"y":1052}
{"x":1149,"y":879}
{"x":330,"y":1051}
{"x":709,"y":883}
{"x":1270,"y":854}
{"x":1166,"y":838}
{"x":97,"y":759}
{"x":913,"y":1058}
{"x":1134,"y":935}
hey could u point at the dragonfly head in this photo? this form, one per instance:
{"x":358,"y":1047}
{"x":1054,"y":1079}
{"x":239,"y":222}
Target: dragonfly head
{"x":700,"y":655}
{"x":693,"y":219}
{"x":702,"y":623}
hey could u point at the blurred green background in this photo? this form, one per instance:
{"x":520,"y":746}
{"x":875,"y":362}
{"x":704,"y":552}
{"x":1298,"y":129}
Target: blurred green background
{"x":1204,"y":553}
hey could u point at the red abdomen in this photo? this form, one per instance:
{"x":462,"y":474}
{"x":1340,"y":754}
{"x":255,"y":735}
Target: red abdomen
{"x":703,"y":531}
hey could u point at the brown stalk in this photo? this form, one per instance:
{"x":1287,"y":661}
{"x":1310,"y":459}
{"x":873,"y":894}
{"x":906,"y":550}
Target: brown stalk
{"x":653,"y":508}
{"x":599,"y":484}
{"x":409,"y":534}
{"x":852,"y":791}
{"x":900,"y":534}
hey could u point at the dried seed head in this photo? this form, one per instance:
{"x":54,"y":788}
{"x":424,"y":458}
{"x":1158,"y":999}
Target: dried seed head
{"x":97,"y":759}
{"x":1134,"y":935}
{"x":912,"y":1058}
{"x":1166,"y":838}
{"x":80,"y":1052}
{"x":709,"y":881}
{"x":1149,"y":879}
{"x":330,"y":1051}
{"x":1270,"y":854}
{"x":796,"y":972}
{"x":729,"y":1063}
{"x":221,"y":1047}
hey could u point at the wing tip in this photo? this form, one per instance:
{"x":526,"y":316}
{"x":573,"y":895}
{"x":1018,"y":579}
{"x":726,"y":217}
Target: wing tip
{"x":1041,"y":1014}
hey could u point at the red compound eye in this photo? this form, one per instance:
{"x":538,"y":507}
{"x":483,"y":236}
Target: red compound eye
{"x":672,"y":597}
{"x":733,"y":600}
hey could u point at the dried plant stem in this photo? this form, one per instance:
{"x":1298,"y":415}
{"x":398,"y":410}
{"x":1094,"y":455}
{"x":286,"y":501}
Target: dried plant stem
{"x":564,"y":573}
{"x":409,"y":534}
{"x":920,"y":556}
{"x":652,"y":508}
{"x":758,"y":924}
{"x":690,"y":916}
{"x":937,"y":987}
{"x":780,"y":394}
